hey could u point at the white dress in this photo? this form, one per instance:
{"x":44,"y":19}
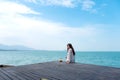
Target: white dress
{"x":70,"y":56}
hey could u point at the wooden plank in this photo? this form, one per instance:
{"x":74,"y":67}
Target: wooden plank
{"x":5,"y":76}
{"x":33,"y":72}
{"x":24,"y":75}
{"x":10,"y":74}
{"x":60,"y":71}
{"x":13,"y":75}
{"x":2,"y":75}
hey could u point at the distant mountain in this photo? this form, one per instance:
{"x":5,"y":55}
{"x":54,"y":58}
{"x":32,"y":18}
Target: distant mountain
{"x":14,"y":47}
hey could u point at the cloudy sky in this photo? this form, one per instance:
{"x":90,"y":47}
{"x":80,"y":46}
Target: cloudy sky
{"x":90,"y":25}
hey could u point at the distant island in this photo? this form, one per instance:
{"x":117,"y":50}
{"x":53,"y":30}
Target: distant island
{"x":13,"y":47}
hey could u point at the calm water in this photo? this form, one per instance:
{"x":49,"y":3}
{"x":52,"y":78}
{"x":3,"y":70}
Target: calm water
{"x":30,"y":57}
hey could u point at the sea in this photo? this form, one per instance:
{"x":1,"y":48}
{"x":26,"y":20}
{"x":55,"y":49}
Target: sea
{"x":111,"y":59}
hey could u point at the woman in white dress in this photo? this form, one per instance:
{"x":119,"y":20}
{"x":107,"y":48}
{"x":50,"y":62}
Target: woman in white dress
{"x":70,"y":54}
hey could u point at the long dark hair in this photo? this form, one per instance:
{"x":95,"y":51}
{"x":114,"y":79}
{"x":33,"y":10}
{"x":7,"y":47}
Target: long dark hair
{"x":70,"y":45}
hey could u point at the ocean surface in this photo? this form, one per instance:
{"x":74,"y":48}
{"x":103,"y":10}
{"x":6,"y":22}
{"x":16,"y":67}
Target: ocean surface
{"x":16,"y":58}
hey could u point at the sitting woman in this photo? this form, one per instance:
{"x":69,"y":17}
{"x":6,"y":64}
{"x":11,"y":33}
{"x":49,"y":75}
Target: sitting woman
{"x":70,"y":54}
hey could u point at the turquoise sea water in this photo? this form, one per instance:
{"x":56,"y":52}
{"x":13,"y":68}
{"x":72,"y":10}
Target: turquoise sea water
{"x":29,"y":57}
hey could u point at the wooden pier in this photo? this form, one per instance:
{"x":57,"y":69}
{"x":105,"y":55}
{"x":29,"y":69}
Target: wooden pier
{"x":59,"y":71}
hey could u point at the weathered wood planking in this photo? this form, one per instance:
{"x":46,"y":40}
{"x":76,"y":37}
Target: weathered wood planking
{"x":60,"y":71}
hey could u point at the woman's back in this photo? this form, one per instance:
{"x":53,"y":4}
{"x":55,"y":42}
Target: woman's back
{"x":70,"y":56}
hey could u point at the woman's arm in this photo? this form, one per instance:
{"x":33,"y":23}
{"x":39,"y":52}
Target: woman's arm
{"x":69,"y":56}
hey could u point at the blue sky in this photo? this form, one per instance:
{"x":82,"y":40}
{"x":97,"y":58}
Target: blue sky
{"x":90,"y":25}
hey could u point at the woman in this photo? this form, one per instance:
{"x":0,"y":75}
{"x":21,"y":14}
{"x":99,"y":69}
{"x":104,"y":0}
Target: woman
{"x":70,"y":54}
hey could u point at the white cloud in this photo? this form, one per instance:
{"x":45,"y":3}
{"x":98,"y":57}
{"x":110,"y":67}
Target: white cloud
{"x":88,"y":5}
{"x":13,"y":8}
{"x":33,"y":1}
{"x":40,"y":34}
{"x":65,"y":3}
